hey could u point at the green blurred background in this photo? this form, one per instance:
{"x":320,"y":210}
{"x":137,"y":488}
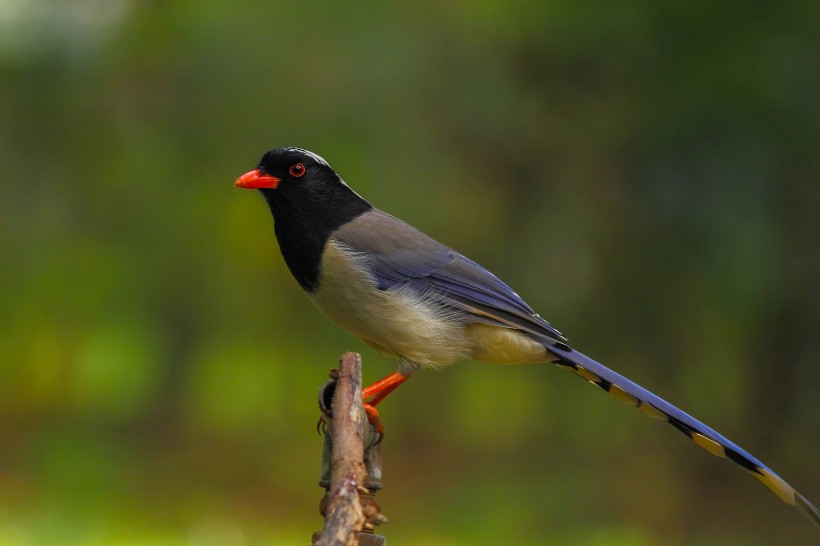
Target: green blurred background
{"x":645,"y":174}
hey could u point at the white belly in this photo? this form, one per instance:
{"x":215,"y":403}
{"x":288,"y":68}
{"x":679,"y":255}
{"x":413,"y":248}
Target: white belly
{"x":503,"y":345}
{"x":395,"y":322}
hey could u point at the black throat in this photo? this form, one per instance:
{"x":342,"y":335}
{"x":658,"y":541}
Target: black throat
{"x":304,"y":216}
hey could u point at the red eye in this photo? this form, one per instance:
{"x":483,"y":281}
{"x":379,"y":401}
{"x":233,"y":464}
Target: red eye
{"x":297,"y":170}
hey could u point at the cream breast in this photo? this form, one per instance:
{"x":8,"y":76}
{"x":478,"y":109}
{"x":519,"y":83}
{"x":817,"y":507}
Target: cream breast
{"x":400,"y":322}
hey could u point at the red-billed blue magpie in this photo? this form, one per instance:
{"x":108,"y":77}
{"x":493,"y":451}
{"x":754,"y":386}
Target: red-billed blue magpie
{"x":411,"y":297}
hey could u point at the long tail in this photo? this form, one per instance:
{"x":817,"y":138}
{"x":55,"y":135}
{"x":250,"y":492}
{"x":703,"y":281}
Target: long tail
{"x":625,"y":390}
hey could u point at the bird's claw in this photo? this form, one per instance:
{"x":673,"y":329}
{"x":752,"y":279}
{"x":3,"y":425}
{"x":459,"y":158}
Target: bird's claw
{"x":375,"y":422}
{"x":372,"y":418}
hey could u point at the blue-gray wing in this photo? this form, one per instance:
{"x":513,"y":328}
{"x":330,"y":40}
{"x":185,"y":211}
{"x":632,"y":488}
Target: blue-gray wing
{"x":401,"y":256}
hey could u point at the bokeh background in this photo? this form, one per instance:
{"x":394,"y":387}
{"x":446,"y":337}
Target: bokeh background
{"x":645,"y":174}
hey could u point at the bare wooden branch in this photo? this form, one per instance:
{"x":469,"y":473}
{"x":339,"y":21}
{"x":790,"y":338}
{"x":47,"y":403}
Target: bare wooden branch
{"x":349,"y":506}
{"x":344,"y":516}
{"x":348,"y":419}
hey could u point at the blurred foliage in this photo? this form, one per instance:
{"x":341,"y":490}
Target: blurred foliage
{"x":645,"y":174}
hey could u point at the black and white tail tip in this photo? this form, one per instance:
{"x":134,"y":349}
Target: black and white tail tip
{"x":625,"y":390}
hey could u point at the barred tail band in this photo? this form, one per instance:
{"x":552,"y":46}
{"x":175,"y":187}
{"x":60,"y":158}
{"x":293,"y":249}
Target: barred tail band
{"x":653,"y":406}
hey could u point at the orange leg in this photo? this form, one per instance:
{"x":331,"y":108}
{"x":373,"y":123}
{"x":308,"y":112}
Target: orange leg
{"x":378,"y":391}
{"x":381,"y":388}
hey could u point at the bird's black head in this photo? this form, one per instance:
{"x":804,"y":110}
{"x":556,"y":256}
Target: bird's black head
{"x":292,"y":170}
{"x":308,"y":201}
{"x":302,"y":181}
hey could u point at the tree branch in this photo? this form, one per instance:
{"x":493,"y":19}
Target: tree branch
{"x":348,"y":506}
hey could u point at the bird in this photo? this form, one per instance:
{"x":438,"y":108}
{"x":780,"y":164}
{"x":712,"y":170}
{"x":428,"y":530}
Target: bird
{"x":409,"y":296}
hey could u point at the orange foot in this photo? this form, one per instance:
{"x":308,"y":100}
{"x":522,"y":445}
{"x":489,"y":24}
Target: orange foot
{"x":375,"y":421}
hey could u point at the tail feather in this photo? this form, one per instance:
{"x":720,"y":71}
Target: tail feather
{"x":625,"y":390}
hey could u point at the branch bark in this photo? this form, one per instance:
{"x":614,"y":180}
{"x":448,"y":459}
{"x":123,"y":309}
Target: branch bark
{"x":348,"y":443}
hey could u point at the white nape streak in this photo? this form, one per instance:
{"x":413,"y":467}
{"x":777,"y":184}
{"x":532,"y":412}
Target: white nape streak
{"x":407,"y":323}
{"x":319,"y":159}
{"x":351,"y":189}
{"x":316,"y":157}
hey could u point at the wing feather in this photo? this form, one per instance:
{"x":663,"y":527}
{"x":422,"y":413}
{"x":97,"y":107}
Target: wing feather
{"x":399,"y":255}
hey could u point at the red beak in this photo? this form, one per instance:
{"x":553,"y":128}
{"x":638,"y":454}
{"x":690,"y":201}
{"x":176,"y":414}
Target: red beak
{"x":254,"y":180}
